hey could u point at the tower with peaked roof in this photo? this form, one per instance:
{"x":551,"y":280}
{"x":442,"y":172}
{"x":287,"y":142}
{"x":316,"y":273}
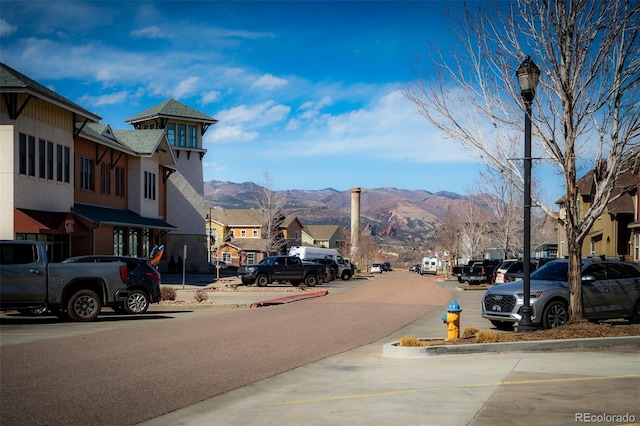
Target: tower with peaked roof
{"x":186,"y":205}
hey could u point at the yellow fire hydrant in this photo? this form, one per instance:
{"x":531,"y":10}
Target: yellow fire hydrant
{"x":452,"y":319}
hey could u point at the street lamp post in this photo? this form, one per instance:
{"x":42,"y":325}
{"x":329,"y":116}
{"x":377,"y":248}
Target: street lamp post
{"x":528,"y":74}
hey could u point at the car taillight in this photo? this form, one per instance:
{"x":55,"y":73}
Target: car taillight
{"x":153,"y":274}
{"x":124,"y":274}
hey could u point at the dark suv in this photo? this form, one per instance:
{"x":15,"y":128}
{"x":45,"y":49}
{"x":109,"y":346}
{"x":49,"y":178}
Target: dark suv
{"x":332,"y":264}
{"x":143,"y":284}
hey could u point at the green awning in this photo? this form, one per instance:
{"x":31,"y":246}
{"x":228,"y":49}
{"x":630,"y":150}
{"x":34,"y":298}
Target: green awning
{"x":116,"y":217}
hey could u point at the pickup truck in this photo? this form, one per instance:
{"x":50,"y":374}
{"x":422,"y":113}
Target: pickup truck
{"x":463,"y":270}
{"x":283,"y":268}
{"x":480,"y":272}
{"x":28,"y":282}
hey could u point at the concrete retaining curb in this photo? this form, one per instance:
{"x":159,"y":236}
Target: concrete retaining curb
{"x":392,"y":350}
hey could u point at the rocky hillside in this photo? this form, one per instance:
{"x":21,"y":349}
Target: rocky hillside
{"x":397,"y":214}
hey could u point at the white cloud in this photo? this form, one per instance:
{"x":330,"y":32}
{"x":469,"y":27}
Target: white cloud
{"x":152,"y":32}
{"x":110,"y":99}
{"x":269,"y":82}
{"x":6,"y":28}
{"x":254,"y":115}
{"x":222,"y":133}
{"x":186,"y":87}
{"x":209,"y":97}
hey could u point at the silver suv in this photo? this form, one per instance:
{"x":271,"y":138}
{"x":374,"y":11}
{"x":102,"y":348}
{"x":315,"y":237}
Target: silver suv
{"x":610,"y":290}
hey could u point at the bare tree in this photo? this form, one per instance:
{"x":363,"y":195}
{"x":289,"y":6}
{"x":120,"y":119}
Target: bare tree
{"x":586,"y":105}
{"x":271,"y":204}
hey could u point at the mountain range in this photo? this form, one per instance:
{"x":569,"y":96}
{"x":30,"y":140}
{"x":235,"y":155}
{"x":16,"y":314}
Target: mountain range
{"x":400,"y":215}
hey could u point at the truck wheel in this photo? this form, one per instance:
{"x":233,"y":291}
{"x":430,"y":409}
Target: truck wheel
{"x":136,"y":303}
{"x":262,"y":281}
{"x":311,"y":280}
{"x":346,"y":275}
{"x":84,"y":305}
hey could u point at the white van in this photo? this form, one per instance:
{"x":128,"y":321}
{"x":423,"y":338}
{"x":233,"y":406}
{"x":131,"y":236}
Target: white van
{"x":345,"y":269}
{"x":429,"y":265}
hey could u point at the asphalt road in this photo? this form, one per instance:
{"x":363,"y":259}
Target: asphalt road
{"x":126,"y":372}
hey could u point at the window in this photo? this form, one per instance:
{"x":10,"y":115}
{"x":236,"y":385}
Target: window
{"x":105,"y":178}
{"x":146,"y":242}
{"x":598,"y":271}
{"x":86,"y":174}
{"x":133,"y":242}
{"x":66,"y":163}
{"x":59,"y":162}
{"x":182,"y":135}
{"x":254,"y":234}
{"x":149,"y":186}
{"x":22,"y":147}
{"x":31,"y":156}
{"x":192,"y":137}
{"x":226,"y":257}
{"x":636,"y":244}
{"x":243,"y":233}
{"x":251,"y":258}
{"x":171,"y":133}
{"x":42,"y":158}
{"x":120,"y":184}
{"x":17,"y":254}
{"x":50,"y":160}
{"x":118,"y":241}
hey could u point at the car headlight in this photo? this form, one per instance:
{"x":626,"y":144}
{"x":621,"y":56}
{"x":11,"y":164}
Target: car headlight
{"x":535,"y":295}
{"x":251,"y":269}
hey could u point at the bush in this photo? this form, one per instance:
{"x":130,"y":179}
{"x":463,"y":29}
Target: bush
{"x":487,"y":337}
{"x":168,"y":293}
{"x":200,"y":295}
{"x":469,"y":332}
{"x":409,"y":341}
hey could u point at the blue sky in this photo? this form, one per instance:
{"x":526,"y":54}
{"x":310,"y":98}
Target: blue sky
{"x":309,"y":91}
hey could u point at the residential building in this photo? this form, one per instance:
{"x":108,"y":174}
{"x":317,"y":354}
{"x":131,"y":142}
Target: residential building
{"x":84,"y":188}
{"x":615,"y":232}
{"x":184,"y":128}
{"x":237,"y":235}
{"x":327,"y":236}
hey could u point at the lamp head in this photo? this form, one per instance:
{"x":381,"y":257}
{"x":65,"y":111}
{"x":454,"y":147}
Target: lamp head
{"x":528,"y":75}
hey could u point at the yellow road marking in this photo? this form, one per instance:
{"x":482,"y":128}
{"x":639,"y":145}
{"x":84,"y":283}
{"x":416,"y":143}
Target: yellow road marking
{"x":439,"y":388}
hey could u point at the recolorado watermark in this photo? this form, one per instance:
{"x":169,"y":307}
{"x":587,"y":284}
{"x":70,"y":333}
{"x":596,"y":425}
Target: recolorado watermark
{"x":604,"y":418}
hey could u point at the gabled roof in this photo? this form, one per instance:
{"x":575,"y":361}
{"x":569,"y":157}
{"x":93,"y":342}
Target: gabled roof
{"x":143,"y":141}
{"x":237,"y":217}
{"x":626,"y":184}
{"x":322,"y":232}
{"x":172,"y":109}
{"x":12,"y":81}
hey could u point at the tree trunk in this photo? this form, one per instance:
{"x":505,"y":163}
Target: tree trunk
{"x":575,"y":282}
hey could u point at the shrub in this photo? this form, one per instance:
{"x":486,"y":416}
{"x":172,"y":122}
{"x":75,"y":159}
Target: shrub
{"x":487,"y":337}
{"x":469,"y":332}
{"x":201,"y":295}
{"x":168,"y":293}
{"x":409,"y":341}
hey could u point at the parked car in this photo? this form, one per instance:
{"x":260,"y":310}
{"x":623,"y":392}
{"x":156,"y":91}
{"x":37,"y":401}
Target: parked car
{"x":217,"y":264}
{"x":610,"y":290}
{"x":480,"y":272}
{"x":386,"y":267}
{"x":516,"y":270}
{"x":501,"y":269}
{"x":334,"y":268}
{"x":376,"y":268}
{"x":143,"y":281}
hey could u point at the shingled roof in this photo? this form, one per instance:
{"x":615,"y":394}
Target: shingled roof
{"x":172,"y":109}
{"x":12,"y":81}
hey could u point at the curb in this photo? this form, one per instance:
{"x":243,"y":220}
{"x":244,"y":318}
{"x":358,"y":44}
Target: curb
{"x":392,"y":350}
{"x":289,"y":299}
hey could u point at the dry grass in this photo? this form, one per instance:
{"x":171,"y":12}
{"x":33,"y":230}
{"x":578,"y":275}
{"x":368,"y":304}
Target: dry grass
{"x":581,"y":330}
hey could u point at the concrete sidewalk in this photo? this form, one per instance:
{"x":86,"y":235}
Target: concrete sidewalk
{"x":363,"y":387}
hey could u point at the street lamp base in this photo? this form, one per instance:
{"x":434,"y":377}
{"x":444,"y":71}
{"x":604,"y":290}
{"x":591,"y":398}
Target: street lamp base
{"x":525,"y":324}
